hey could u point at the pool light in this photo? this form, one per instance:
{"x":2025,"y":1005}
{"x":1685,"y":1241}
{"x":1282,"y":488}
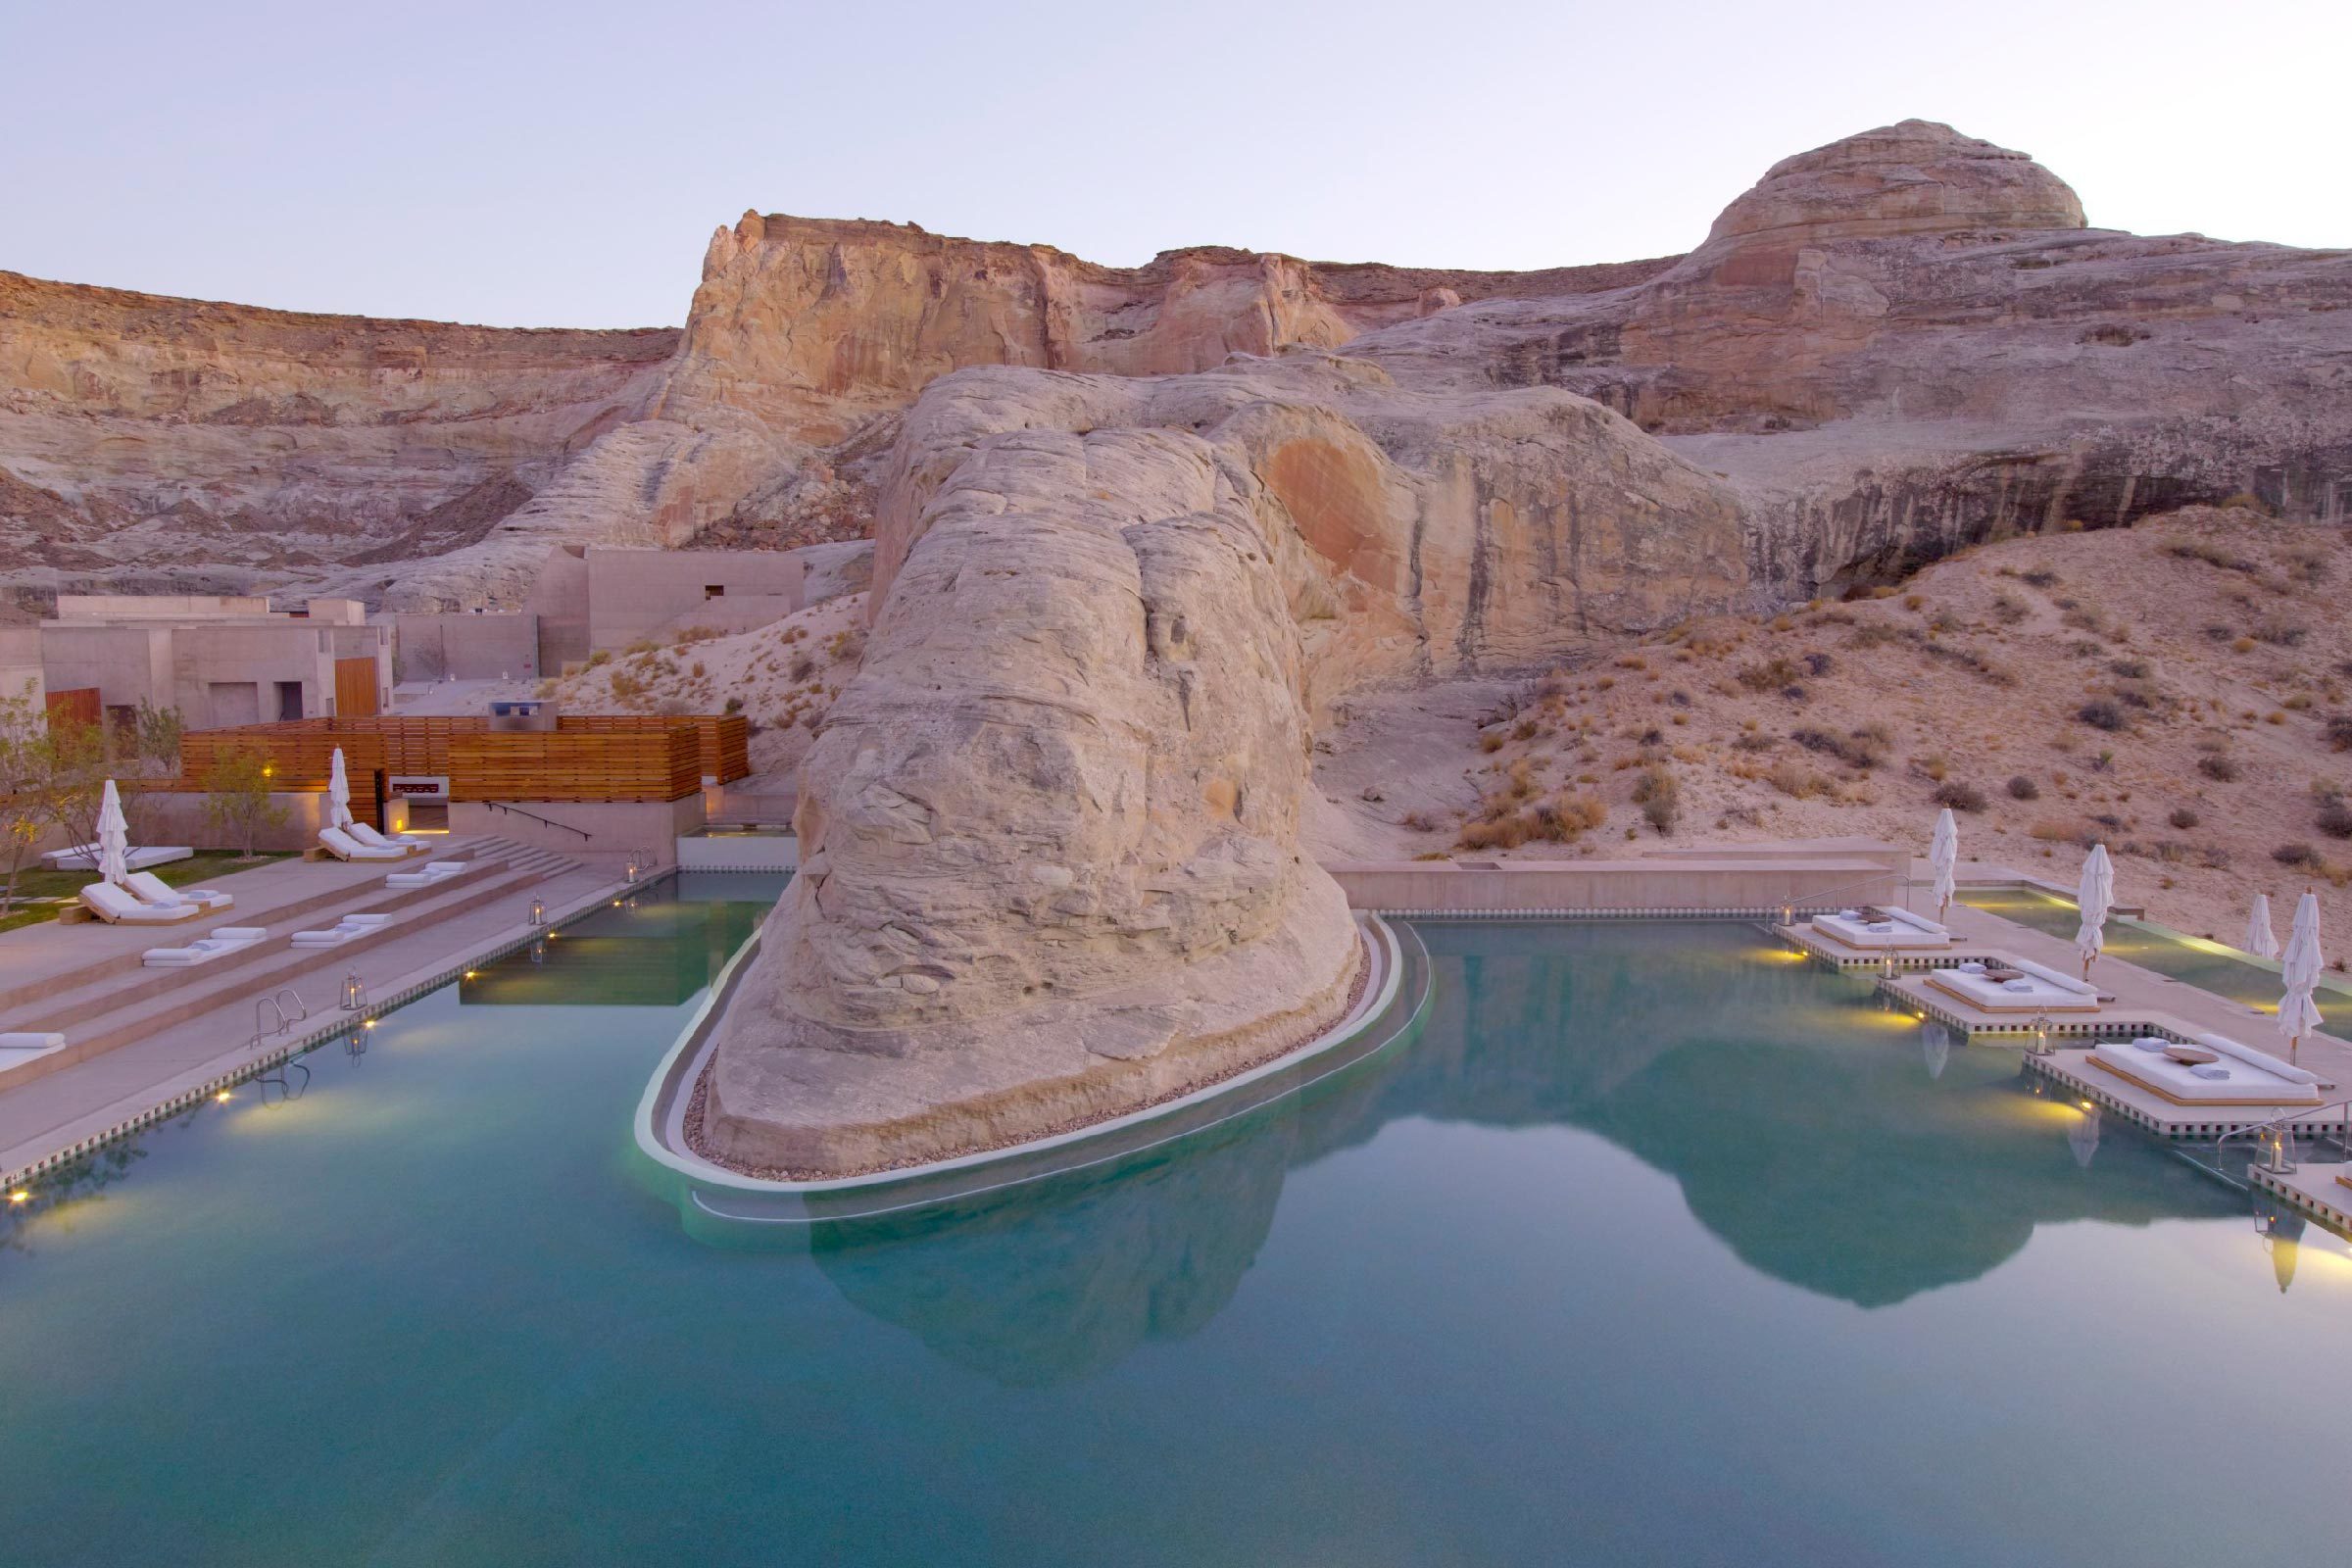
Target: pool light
{"x":19,"y":1196}
{"x":222,"y":1097}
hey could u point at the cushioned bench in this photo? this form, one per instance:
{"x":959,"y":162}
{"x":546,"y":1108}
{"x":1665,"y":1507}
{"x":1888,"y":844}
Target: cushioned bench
{"x":2036,"y":988}
{"x":1890,"y":929}
{"x":225,"y":939}
{"x":115,"y":907}
{"x":152,"y":889}
{"x":2241,"y":1076}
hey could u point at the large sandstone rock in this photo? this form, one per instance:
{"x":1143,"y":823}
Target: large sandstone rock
{"x":1051,"y":831}
{"x":1050,"y":864}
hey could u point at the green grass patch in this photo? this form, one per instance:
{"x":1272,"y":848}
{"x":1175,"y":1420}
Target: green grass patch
{"x":41,"y":892}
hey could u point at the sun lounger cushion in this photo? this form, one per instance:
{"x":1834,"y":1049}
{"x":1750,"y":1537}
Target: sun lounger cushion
{"x":229,"y":939}
{"x":1882,"y":928}
{"x":2242,"y":1084}
{"x":111,"y":904}
{"x":342,"y":844}
{"x":2275,"y":1066}
{"x":154,"y":890}
{"x":363,"y":834}
{"x":84,"y":856}
{"x":31,"y":1039}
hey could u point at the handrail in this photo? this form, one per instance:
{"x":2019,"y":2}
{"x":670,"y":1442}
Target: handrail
{"x":501,"y":806}
{"x":2283,"y":1125}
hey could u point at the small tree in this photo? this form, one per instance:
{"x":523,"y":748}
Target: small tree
{"x":23,"y":799}
{"x":236,"y":798}
{"x":67,"y":775}
{"x":154,"y":755}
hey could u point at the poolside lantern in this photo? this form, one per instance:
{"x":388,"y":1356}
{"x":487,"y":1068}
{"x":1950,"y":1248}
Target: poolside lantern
{"x":538,"y":912}
{"x":2298,"y":1013}
{"x":2042,"y":1034}
{"x":355,"y":992}
{"x":2094,"y":894}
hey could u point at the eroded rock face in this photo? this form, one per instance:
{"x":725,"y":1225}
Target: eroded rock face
{"x":1050,"y":864}
{"x":1051,"y":831}
{"x":1907,"y":341}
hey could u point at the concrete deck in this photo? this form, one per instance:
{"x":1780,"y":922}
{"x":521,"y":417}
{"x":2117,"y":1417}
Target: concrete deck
{"x":1736,"y":879}
{"x":196,"y":1045}
{"x":2318,"y":1190}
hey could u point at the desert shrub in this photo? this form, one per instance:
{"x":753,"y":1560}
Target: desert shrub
{"x":2245,"y":645}
{"x":1873,"y":634}
{"x":2022,"y":788}
{"x":2007,"y":610}
{"x":627,"y":688}
{"x":1796,"y":781}
{"x":2101,"y":714}
{"x":1490,"y":742}
{"x":1959,"y":795}
{"x":2183,"y":818}
{"x":2219,"y":766}
{"x":1933,"y":767}
{"x":2302,"y":856}
{"x":2038,"y":576}
{"x":2338,"y":730}
{"x":1772,"y":674}
{"x":1753,"y":742}
{"x":2279,"y":630}
{"x":2131,"y":668}
{"x":734,"y":706}
{"x":2210,"y":552}
{"x":1659,"y":796}
{"x":2082,"y":620}
{"x":1864,"y":749}
{"x":1819,"y":665}
{"x":1525,"y":730}
{"x":2335,"y":819}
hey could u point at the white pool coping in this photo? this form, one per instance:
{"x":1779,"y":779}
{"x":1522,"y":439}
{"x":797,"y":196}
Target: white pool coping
{"x":689,"y":1056}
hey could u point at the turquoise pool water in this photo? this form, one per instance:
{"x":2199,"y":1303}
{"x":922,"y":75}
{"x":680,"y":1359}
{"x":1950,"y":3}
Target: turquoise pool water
{"x":1652,"y":1247}
{"x":2213,"y":967}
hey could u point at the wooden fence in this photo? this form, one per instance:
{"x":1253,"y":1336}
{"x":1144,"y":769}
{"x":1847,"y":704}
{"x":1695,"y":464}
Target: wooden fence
{"x":629,"y":756}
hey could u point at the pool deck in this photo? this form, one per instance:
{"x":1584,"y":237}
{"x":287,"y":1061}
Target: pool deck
{"x":44,"y":1116}
{"x":2135,"y":1001}
{"x":2320,"y":1191}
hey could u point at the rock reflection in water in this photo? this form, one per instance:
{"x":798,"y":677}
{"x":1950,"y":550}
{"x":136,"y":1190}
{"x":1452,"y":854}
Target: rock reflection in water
{"x":1790,"y":1106}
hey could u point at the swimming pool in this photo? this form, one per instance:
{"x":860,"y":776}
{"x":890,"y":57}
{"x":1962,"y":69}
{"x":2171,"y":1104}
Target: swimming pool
{"x":2208,"y":965}
{"x":1652,"y":1247}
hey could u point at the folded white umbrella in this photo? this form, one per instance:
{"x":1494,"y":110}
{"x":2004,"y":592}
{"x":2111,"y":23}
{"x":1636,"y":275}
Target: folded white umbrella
{"x":114,"y":836}
{"x":338,"y":794}
{"x":2298,"y":1013}
{"x":2259,"y":940}
{"x":2094,"y":894}
{"x":1943,"y":853}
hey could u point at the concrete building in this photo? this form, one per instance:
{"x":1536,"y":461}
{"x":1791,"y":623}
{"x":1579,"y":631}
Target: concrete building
{"x":221,"y":660}
{"x":592,"y":599}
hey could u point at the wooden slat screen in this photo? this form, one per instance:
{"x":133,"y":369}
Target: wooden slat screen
{"x":643,"y":756}
{"x":651,"y":764}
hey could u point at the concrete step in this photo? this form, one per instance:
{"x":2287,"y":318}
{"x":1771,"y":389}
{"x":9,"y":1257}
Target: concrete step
{"x":293,"y":914}
{"x":203,"y":990}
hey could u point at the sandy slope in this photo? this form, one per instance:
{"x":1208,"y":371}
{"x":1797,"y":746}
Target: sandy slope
{"x":2212,"y":639}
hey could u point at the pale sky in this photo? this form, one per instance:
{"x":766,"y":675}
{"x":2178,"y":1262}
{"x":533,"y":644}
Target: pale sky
{"x":564,"y":164}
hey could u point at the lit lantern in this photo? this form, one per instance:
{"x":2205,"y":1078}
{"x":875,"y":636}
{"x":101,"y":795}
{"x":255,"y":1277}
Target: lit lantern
{"x":538,"y":912}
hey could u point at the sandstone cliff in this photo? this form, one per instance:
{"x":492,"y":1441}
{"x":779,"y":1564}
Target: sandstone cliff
{"x":148,"y":441}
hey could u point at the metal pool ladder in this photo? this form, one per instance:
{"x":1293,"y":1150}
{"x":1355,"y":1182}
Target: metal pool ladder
{"x":265,"y":1008}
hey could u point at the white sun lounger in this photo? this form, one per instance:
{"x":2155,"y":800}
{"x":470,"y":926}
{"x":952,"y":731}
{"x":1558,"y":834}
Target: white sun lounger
{"x":115,"y":907}
{"x":361,"y":833}
{"x":344,"y":846}
{"x":204,"y":949}
{"x":425,"y":875}
{"x":18,"y":1047}
{"x":84,"y":857}
{"x":347,"y":929}
{"x":2040,"y":989}
{"x":148,"y":888}
{"x":1890,"y":929}
{"x":2243,"y":1076}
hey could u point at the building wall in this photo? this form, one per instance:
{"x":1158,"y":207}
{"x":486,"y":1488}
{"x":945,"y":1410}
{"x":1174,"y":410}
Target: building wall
{"x":20,"y":663}
{"x":464,"y":646}
{"x":632,"y":593}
